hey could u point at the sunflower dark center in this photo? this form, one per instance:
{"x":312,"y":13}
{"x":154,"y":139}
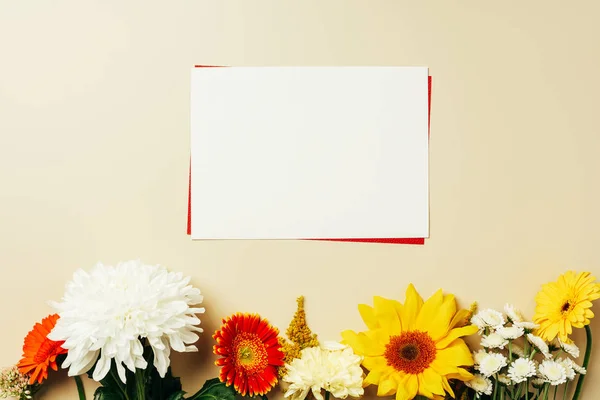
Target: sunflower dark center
{"x":565,"y":307}
{"x":410,"y":352}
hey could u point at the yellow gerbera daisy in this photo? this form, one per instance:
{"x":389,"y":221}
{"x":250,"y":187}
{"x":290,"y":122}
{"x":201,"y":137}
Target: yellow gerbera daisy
{"x":565,"y":304}
{"x":415,"y":347}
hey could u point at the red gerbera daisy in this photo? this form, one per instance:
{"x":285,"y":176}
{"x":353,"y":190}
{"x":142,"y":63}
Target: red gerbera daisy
{"x":39,"y":352}
{"x":250,"y":352}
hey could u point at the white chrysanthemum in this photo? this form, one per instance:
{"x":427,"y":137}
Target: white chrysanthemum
{"x":569,"y":348}
{"x":527,"y":325}
{"x":569,"y":370}
{"x":521,"y":369}
{"x":518,"y":350}
{"x":108,"y":311}
{"x":478,"y":356}
{"x":491,"y":364}
{"x":576,"y":367}
{"x":513,"y":314}
{"x":332,"y":367}
{"x":480,"y":384}
{"x":510,"y":332}
{"x":489,"y":318}
{"x":503,"y":378}
{"x":553,"y":372}
{"x":539,"y":343}
{"x":493,"y":341}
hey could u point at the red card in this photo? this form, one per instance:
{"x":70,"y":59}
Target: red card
{"x":368,"y":240}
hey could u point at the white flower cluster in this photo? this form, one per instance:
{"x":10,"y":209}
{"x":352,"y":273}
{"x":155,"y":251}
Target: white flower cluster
{"x":510,"y":363}
{"x":332,"y":367}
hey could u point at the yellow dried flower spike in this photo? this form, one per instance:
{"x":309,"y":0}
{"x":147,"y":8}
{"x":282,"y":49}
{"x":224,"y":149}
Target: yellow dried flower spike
{"x":299,"y":336}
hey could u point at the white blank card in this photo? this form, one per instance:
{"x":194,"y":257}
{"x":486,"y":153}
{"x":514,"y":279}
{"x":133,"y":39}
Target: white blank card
{"x":309,"y":152}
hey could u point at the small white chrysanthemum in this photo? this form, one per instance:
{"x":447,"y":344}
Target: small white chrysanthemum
{"x":491,"y":364}
{"x":527,"y":325}
{"x":332,"y":367}
{"x":493,"y":341}
{"x":107,"y":312}
{"x":521,"y":369}
{"x":513,"y":314}
{"x":518,"y":350}
{"x":553,"y":372}
{"x":479,"y":322}
{"x":478,"y":356}
{"x":576,"y":367}
{"x":503,"y":378}
{"x":569,"y":348}
{"x":569,"y":370}
{"x":510,"y":332}
{"x":490,"y":318}
{"x":539,"y":344}
{"x":480,"y":384}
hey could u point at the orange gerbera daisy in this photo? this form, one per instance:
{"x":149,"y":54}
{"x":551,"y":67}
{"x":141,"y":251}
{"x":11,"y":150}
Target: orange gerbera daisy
{"x":250,"y":352}
{"x":39,"y":352}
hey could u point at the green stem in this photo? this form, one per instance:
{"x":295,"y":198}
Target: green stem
{"x":565,"y":392}
{"x":119,"y":384}
{"x":495,"y":388}
{"x":555,"y":391}
{"x":80,"y":389}
{"x":509,"y":352}
{"x":527,"y":389}
{"x":139,"y":382}
{"x":586,"y":361}
{"x":326,"y":395}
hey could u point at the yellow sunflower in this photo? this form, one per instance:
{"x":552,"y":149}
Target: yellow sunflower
{"x":565,"y":304}
{"x":415,"y":347}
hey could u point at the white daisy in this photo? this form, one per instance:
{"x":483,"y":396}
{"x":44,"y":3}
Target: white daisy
{"x":576,"y":367}
{"x":106,"y":313}
{"x":539,"y":343}
{"x":491,"y":318}
{"x":479,"y":322}
{"x":569,"y":348}
{"x":553,"y":372}
{"x":510,"y":332}
{"x":480,"y":384}
{"x":569,"y":370}
{"x":528,"y":326}
{"x":521,"y":369}
{"x":478,"y":356}
{"x":493,"y":341}
{"x":332,"y":367}
{"x":491,"y":364}
{"x":513,"y":314}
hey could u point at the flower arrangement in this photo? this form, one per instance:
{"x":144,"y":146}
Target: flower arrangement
{"x":118,"y":325}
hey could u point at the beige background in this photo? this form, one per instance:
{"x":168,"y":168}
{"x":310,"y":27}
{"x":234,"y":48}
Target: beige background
{"x":94,"y":149}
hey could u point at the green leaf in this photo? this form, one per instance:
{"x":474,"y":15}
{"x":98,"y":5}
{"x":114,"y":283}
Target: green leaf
{"x":176,"y":396}
{"x":214,"y":389}
{"x":108,"y":393}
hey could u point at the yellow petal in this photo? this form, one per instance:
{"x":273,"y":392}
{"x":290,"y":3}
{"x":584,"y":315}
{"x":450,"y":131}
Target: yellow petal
{"x":410,"y":309}
{"x":432,"y":381}
{"x":372,"y":363}
{"x":459,"y":318}
{"x":387,"y":386}
{"x":408,"y":387}
{"x":456,"y":353}
{"x":455,"y":334}
{"x":386,"y":314}
{"x":372,"y":378}
{"x":461,"y":375}
{"x":368,"y":315}
{"x":428,"y":316}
